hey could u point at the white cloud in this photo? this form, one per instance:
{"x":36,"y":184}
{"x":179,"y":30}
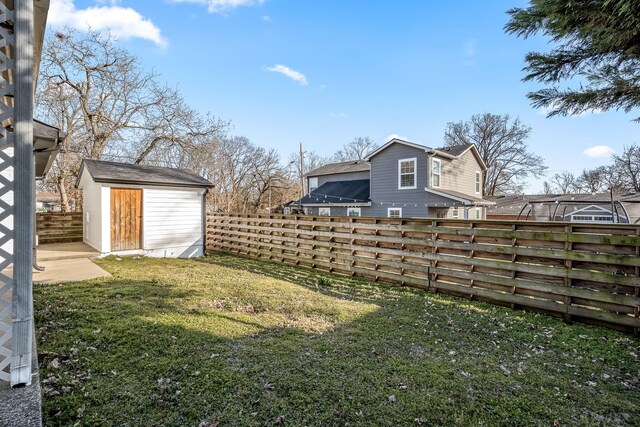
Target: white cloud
{"x":599,"y":152}
{"x":396,"y":136}
{"x":123,"y":22}
{"x":338,"y":115}
{"x":220,"y":6}
{"x":266,"y":18}
{"x":471,"y":48}
{"x":292,"y":74}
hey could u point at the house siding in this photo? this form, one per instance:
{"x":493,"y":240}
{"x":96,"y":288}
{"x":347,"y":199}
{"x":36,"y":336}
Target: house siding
{"x":335,"y":210}
{"x":384,"y":183}
{"x":460,"y":174}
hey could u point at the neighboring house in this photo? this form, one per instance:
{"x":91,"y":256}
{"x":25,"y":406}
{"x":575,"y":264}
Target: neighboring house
{"x":401,"y":179}
{"x":146,"y":210}
{"x":589,"y":208}
{"x":50,"y":202}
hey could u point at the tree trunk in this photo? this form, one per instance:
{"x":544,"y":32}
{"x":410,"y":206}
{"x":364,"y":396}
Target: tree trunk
{"x":64,"y":199}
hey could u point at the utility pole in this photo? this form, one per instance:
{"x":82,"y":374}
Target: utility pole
{"x":302,"y":194}
{"x":301,"y":177}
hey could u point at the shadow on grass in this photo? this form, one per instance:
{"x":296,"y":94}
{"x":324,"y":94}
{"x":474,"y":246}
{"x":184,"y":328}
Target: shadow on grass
{"x":130,"y":352}
{"x":330,"y":284}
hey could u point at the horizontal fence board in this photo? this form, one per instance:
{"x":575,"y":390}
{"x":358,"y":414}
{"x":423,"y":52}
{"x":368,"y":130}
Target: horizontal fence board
{"x":578,"y":271}
{"x":59,"y":227}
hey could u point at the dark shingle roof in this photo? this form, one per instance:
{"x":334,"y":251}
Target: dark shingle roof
{"x":341,"y":167}
{"x":125,"y":173}
{"x":455,"y":150}
{"x":339,"y":192}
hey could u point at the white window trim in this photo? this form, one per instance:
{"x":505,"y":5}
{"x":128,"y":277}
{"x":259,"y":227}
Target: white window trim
{"x":393,"y":209}
{"x":478,"y":182}
{"x":328,"y":211}
{"x":433,"y":159}
{"x":455,"y":213}
{"x":415,"y":173}
{"x":358,"y":209}
{"x":478,"y":213}
{"x":311,"y":187}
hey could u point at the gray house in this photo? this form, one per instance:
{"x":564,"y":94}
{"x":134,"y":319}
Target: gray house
{"x":401,"y":179}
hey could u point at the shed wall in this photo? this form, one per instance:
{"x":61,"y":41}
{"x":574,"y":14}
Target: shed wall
{"x":172,"y":222}
{"x":91,"y":213}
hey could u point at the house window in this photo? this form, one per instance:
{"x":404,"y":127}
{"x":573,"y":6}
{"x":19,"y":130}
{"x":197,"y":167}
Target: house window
{"x":313,"y":184}
{"x":478,"y":213}
{"x":435,"y":172}
{"x":394,"y":212}
{"x":353,"y":211}
{"x":478,"y":182}
{"x":407,"y":173}
{"x":324,"y":211}
{"x":441,"y":213}
{"x":454,"y":212}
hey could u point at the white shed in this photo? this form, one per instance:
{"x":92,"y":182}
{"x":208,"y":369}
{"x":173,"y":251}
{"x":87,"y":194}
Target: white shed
{"x":146,"y":210}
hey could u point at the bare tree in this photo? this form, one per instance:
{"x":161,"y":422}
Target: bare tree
{"x":357,"y":149}
{"x":547,"y":189}
{"x":592,"y":180}
{"x":565,"y":182}
{"x":627,"y":165}
{"x":501,"y":142}
{"x":110,"y":107}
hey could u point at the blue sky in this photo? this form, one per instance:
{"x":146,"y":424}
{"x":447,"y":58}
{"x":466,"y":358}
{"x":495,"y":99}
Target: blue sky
{"x":324,"y":72}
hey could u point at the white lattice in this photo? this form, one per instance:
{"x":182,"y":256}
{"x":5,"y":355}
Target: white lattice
{"x":6,"y":191}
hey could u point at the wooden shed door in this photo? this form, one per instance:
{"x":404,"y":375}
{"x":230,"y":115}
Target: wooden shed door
{"x":126,"y":219}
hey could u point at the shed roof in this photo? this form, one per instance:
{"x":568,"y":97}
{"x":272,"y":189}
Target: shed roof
{"x":341,"y":167}
{"x":126,"y":173}
{"x":339,"y":192}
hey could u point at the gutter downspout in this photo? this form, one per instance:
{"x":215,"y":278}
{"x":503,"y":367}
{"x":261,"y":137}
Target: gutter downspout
{"x":204,"y":221}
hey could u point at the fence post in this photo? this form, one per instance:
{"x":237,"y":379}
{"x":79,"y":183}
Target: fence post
{"x":568,"y":246}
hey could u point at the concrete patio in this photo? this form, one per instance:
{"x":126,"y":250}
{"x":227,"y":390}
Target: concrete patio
{"x":67,"y":262}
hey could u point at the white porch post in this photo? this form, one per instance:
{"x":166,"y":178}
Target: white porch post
{"x":23,"y":201}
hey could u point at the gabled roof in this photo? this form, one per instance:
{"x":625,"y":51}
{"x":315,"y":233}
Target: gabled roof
{"x":396,"y":141}
{"x":593,"y":209}
{"x":454,"y":150}
{"x":339,"y":193}
{"x":341,"y":167}
{"x":125,"y":173}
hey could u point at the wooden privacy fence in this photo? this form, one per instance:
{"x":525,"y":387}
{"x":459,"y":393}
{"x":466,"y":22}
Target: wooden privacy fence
{"x":584,"y":272}
{"x":59,"y":227}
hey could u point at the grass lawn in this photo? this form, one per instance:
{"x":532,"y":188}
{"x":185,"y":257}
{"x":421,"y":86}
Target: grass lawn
{"x":228,"y":341}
